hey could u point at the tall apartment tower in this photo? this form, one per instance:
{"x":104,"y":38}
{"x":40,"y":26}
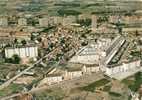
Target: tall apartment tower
{"x":94,"y":23}
{"x":3,"y":21}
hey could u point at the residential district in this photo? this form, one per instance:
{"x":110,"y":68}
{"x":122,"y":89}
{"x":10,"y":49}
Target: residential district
{"x":70,"y":50}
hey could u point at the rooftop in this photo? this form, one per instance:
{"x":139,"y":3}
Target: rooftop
{"x":124,"y":62}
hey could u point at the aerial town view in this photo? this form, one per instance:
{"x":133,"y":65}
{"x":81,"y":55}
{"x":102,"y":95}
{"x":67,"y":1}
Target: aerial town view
{"x":70,"y":49}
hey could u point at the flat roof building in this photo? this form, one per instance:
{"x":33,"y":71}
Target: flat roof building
{"x":22,"y":52}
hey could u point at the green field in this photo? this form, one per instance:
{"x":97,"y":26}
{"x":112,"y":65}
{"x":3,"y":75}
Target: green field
{"x":91,"y":87}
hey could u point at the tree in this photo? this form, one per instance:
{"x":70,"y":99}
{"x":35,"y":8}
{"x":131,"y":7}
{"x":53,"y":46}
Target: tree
{"x":24,"y":42}
{"x":16,"y":59}
{"x":137,"y":33}
{"x":39,"y":39}
{"x":15,"y":40}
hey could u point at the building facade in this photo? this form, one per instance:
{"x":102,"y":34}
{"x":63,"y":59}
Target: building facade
{"x":123,"y":67}
{"x":23,"y":52}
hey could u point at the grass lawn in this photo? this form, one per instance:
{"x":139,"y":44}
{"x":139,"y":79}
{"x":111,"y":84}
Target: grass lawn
{"x":107,"y":88}
{"x":128,"y":81}
{"x":13,"y":88}
{"x":91,"y":87}
{"x":135,"y":83}
{"x":114,"y":94}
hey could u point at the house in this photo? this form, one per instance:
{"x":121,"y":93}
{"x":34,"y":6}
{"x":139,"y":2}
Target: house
{"x":22,"y":21}
{"x":43,"y":22}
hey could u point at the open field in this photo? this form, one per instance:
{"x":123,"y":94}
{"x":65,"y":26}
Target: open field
{"x":52,"y":7}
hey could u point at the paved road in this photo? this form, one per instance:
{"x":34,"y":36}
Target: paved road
{"x":69,"y":84}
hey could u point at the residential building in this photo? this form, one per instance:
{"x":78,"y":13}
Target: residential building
{"x":131,"y":19}
{"x":73,"y":71}
{"x":88,"y":69}
{"x":22,"y":35}
{"x":132,"y":29}
{"x":51,"y":79}
{"x":92,"y":53}
{"x":122,"y":67}
{"x":22,"y":21}
{"x":68,"y":20}
{"x":58,"y":20}
{"x":23,"y":52}
{"x":106,"y":28}
{"x":44,"y":22}
{"x":114,"y":19}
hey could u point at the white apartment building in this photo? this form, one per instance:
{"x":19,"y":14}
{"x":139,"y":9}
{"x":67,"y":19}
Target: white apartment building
{"x":71,"y":72}
{"x":123,"y":67}
{"x":23,"y":52}
{"x":93,"y":53}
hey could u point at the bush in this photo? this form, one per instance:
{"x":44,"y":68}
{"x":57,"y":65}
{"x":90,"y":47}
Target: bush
{"x":63,"y":12}
{"x":15,"y":59}
{"x":86,"y":22}
{"x":91,"y":87}
{"x":115,"y":94}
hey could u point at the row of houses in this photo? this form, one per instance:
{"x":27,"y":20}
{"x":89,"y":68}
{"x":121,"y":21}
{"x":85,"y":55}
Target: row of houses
{"x":72,"y":71}
{"x":23,"y":52}
{"x":43,"y":22}
{"x":80,"y":70}
{"x":114,"y":19}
